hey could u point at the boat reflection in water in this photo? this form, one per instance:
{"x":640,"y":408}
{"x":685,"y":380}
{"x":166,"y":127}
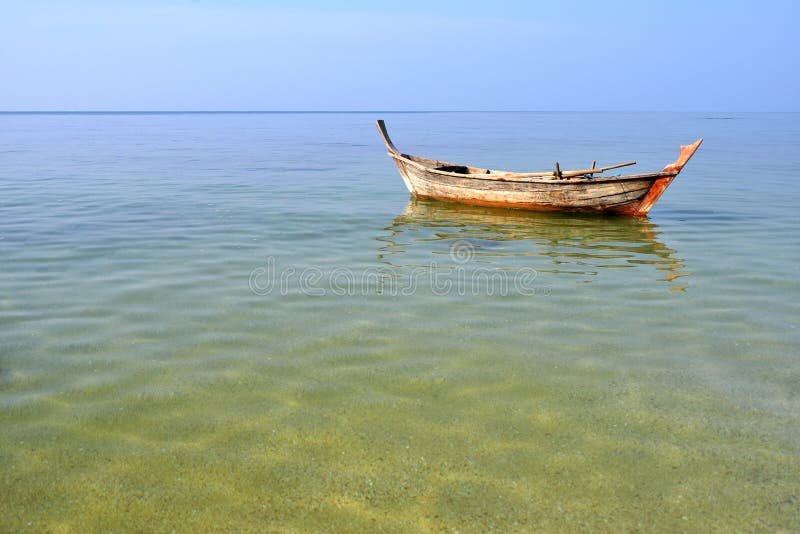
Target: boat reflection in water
{"x":583,"y":246}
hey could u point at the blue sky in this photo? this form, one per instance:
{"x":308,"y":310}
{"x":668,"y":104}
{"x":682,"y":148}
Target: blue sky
{"x":410,"y":55}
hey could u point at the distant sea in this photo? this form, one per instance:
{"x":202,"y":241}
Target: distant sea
{"x":215,"y":321}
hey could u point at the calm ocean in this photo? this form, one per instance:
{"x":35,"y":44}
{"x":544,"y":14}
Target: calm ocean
{"x":241,"y":321}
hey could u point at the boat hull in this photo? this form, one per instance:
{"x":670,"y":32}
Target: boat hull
{"x":623,"y":197}
{"x":581,"y":191}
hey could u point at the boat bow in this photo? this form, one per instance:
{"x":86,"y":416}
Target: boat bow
{"x":385,"y":136}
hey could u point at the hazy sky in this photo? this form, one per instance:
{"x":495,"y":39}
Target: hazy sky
{"x":404,"y":55}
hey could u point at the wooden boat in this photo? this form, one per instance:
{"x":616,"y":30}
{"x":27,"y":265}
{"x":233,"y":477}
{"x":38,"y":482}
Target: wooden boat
{"x":577,"y":190}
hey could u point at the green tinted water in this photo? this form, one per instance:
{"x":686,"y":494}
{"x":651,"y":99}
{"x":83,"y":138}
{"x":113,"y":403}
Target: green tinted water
{"x":240,"y":322}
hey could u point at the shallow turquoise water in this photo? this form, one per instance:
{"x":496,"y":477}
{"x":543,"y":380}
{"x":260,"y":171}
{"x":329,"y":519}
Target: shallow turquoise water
{"x":234,"y":321}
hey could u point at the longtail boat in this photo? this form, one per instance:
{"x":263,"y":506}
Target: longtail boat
{"x":558,"y":190}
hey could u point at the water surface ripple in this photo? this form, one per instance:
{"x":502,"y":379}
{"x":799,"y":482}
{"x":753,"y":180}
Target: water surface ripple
{"x":233,"y":322}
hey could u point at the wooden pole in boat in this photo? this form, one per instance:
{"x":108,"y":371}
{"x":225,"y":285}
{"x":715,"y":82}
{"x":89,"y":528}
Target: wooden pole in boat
{"x":595,"y":169}
{"x":594,"y":162}
{"x":617,"y":166}
{"x":558,"y":171}
{"x":563,"y":174}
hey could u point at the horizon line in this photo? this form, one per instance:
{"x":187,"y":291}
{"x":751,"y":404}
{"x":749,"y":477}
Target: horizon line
{"x":255,"y":112}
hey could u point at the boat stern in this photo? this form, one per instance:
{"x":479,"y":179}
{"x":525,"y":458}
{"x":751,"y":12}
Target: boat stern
{"x":660,"y":185}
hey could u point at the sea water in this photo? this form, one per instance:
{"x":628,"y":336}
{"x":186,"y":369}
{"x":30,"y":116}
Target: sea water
{"x":241,"y":321}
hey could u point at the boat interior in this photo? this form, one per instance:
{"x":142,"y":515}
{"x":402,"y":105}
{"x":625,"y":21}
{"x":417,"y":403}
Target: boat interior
{"x":463,"y":169}
{"x":450,"y":167}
